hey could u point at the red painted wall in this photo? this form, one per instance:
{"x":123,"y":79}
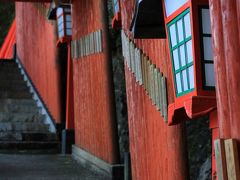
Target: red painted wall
{"x":95,"y":126}
{"x":226,"y":42}
{"x":36,"y":48}
{"x":157,"y":150}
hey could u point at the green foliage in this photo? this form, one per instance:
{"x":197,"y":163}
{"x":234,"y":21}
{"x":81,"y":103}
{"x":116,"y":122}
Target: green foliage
{"x":7,"y":14}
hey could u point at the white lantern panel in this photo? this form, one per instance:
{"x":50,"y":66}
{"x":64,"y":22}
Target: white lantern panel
{"x":68,"y":18}
{"x":61,"y":27}
{"x":189,"y":51}
{"x":180,"y":30}
{"x":173,"y":35}
{"x":116,"y":6}
{"x":59,"y":11}
{"x":187,"y":25}
{"x":69,"y":32}
{"x":60,"y":20}
{"x":179,"y":83}
{"x":61,"y":34}
{"x":69,"y":25}
{"x":206,"y":25}
{"x":67,"y":10}
{"x":209,"y":75}
{"x":182,"y":55}
{"x":173,"y":5}
{"x":176,"y":59}
{"x":207,"y":48}
{"x":185,"y":80}
{"x":191,"y":77}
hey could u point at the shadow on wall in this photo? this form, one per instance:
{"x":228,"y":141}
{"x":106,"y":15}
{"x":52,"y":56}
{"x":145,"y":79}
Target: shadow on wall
{"x":119,"y":86}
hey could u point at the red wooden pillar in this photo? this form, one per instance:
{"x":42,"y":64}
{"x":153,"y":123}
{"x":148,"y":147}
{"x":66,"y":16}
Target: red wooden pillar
{"x":231,"y":45}
{"x":226,"y":43}
{"x":220,"y":70}
{"x":70,"y":99}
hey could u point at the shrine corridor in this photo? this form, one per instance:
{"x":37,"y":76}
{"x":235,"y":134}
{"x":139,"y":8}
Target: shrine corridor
{"x":44,"y":167}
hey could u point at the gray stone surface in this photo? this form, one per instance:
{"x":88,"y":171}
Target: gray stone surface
{"x":44,"y":167}
{"x":22,"y":126}
{"x":199,"y":148}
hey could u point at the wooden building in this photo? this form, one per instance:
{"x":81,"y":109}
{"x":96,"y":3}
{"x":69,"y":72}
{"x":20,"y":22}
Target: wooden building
{"x":174,"y":52}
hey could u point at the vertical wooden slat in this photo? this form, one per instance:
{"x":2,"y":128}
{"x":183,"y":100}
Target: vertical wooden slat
{"x":87,"y":44}
{"x":153,"y":66}
{"x":92,"y":44}
{"x":80,"y":47}
{"x":84,"y":46}
{"x":145,"y":72}
{"x":72,"y":49}
{"x":161,"y":92}
{"x":140,"y":67}
{"x":95,"y":42}
{"x":158,"y":89}
{"x":128,"y":53}
{"x":132,"y":57}
{"x":220,"y":159}
{"x":156,"y":94}
{"x":164,"y":93}
{"x":77,"y":49}
{"x":232,"y":159}
{"x":135,"y":64}
{"x":100,"y":41}
{"x":148,"y":76}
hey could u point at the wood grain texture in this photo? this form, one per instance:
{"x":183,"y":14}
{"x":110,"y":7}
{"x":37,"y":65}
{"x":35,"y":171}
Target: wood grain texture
{"x":88,"y":45}
{"x":220,"y":157}
{"x":36,"y":48}
{"x":226,"y":43}
{"x":147,"y":130}
{"x":232,"y":159}
{"x":95,"y":125}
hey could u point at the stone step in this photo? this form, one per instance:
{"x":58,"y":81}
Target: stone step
{"x":6,"y":69}
{"x":8,"y":66}
{"x":11,"y":136}
{"x":19,"y":136}
{"x":23,"y":127}
{"x":15,"y":88}
{"x":15,"y":108}
{"x":10,"y":76}
{"x":7,"y":62}
{"x":21,"y":117}
{"x":15,"y":95}
{"x":29,"y":145}
{"x":24,"y":102}
{"x":39,"y":137}
{"x":16,"y":84}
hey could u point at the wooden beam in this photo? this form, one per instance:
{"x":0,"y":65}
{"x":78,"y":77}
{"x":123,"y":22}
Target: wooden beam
{"x":232,"y":159}
{"x":220,"y":157}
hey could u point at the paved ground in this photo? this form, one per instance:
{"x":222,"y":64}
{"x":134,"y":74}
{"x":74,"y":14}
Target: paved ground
{"x":44,"y":167}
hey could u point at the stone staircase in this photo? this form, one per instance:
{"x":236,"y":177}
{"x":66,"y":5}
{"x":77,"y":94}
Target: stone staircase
{"x":22,"y":127}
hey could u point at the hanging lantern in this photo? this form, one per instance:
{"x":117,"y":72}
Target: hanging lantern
{"x":116,"y":21}
{"x":64,"y":23}
{"x":190,"y":44}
